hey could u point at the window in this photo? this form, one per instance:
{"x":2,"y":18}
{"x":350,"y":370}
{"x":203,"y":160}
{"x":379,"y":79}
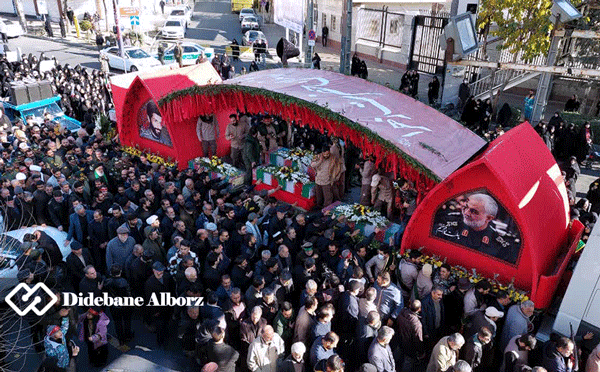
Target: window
{"x":395,"y":25}
{"x":189,"y":49}
{"x":324,"y":20}
{"x":333,"y":23}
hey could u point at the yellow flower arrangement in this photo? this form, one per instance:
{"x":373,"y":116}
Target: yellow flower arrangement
{"x":474,"y":277}
{"x":151,"y":157}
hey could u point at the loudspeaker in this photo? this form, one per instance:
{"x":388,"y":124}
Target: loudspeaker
{"x":286,"y":50}
{"x":18,"y":94}
{"x":33,"y":91}
{"x":45,"y":89}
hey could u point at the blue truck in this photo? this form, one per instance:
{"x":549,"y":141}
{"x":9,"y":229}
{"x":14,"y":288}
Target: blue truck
{"x":39,"y":109}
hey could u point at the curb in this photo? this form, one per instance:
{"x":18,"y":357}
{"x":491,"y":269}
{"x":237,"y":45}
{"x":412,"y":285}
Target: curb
{"x":62,"y":41}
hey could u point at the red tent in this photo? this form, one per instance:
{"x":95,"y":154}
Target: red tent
{"x":410,"y":138}
{"x":133,"y":93}
{"x":505,"y":213}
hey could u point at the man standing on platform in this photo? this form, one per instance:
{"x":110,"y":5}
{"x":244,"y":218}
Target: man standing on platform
{"x":236,"y":133}
{"x":207,"y":131}
{"x":322,"y":164}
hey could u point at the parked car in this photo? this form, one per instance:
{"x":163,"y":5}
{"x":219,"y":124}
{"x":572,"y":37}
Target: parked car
{"x":183,"y":12}
{"x":191,"y":51}
{"x":136,"y":59}
{"x":251,"y":36}
{"x":173,"y":29}
{"x":246,"y":12}
{"x":250,"y":23}
{"x":13,"y":28}
{"x":10,"y":251}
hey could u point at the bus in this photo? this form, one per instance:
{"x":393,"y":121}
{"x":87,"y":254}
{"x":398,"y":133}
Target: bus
{"x":237,"y":5}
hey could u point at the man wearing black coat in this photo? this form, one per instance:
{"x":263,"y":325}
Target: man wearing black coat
{"x":474,"y":348}
{"x":91,"y":282}
{"x":98,"y":230}
{"x":52,"y":254}
{"x":41,"y":198}
{"x":141,"y":270}
{"x":219,"y":352}
{"x":77,"y":260}
{"x":432,"y":316}
{"x":117,"y":286}
{"x":58,"y":210}
{"x":410,"y":334}
{"x":159,"y":282}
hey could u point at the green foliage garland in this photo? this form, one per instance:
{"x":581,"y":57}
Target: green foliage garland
{"x":323,"y":112}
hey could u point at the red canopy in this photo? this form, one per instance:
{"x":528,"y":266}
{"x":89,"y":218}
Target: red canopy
{"x":528,"y":237}
{"x":429,"y":137}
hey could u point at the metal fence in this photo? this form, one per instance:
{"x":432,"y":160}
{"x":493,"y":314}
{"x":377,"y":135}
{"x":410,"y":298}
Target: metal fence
{"x":380,"y":27}
{"x":426,"y":54}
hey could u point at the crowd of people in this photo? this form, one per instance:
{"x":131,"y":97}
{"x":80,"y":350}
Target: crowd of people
{"x":283,"y":290}
{"x":84,"y":93}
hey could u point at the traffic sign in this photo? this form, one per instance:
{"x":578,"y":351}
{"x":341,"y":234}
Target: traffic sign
{"x":135,"y":20}
{"x":312,"y":35}
{"x":311,"y":42}
{"x":127,"y":11}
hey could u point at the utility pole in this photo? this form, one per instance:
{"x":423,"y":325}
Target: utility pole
{"x":309,"y":26}
{"x":20,"y":13}
{"x":545,"y":84}
{"x":346,"y":42}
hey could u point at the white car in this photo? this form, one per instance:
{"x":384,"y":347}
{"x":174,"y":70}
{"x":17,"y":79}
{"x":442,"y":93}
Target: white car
{"x":251,"y":36}
{"x":10,"y":250}
{"x":136,"y":59}
{"x":250,"y":23}
{"x":173,"y":29}
{"x":246,"y":12}
{"x":13,"y":28}
{"x":183,"y":12}
{"x":191,"y":51}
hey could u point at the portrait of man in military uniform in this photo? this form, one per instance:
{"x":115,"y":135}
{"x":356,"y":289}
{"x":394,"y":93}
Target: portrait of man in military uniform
{"x":477,"y":221}
{"x":150,"y":123}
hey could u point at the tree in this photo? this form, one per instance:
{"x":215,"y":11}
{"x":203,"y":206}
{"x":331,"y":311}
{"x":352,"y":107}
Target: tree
{"x":523,"y":25}
{"x":20,"y":13}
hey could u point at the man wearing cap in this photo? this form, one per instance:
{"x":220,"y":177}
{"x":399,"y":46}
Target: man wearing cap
{"x":483,"y":318}
{"x":236,"y":132}
{"x":58,"y":209}
{"x":159,"y":316}
{"x":76,"y":261}
{"x":323,"y":166}
{"x":119,"y":247}
{"x":57,"y":350}
{"x":79,"y":223}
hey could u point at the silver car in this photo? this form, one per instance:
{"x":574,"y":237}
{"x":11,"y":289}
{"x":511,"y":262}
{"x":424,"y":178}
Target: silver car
{"x":10,"y":251}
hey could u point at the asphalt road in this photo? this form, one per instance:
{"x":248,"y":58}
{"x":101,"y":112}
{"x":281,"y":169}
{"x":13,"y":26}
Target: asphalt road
{"x":213,"y":25}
